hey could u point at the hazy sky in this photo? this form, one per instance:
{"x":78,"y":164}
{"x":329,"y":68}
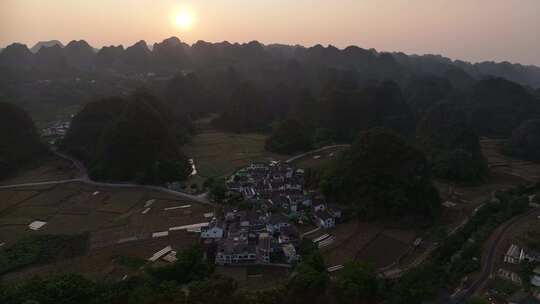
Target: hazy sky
{"x":474,"y":30}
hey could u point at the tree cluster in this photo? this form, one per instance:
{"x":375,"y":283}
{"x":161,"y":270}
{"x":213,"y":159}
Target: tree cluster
{"x":134,"y":138}
{"x":20,"y":143}
{"x":383,"y":176}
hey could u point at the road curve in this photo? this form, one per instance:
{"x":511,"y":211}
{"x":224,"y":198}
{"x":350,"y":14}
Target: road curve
{"x":84,"y":178}
{"x":296,"y":157}
{"x":487,"y":265}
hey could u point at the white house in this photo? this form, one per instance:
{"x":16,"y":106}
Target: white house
{"x":213,"y":231}
{"x":277,"y":222}
{"x":318,"y":205}
{"x":324,"y":219}
{"x":535,"y":279}
{"x":514,"y":254}
{"x":290,"y":253}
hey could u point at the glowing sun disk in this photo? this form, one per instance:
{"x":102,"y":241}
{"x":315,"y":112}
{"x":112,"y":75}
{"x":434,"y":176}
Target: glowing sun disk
{"x":184,"y":20}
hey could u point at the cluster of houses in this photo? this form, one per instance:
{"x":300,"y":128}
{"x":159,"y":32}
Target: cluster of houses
{"x":279,"y":186}
{"x":511,"y":269}
{"x":251,"y":236}
{"x":266,"y":232}
{"x":56,"y":129}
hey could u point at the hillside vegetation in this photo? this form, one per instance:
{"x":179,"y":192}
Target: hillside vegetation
{"x":20,"y":143}
{"x":134,"y":138}
{"x":383,"y":176}
{"x":525,"y":141}
{"x":451,"y":144}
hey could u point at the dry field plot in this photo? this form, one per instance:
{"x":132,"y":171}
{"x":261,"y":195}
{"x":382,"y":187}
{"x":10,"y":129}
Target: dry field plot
{"x":100,"y":263}
{"x":383,"y":251}
{"x":219,"y":154}
{"x":120,"y":201}
{"x":318,"y":159}
{"x":350,"y":239}
{"x":12,"y":232}
{"x":526,"y":170}
{"x":53,"y":198}
{"x":53,"y":168}
{"x":10,"y":198}
{"x":108,"y":214}
{"x":368,"y":242}
{"x":255,"y":277}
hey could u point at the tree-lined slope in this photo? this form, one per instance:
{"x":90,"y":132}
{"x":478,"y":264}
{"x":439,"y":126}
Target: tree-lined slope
{"x":130,"y":138}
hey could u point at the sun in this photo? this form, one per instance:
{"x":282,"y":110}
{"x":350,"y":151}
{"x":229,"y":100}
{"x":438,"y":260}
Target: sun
{"x":184,"y":20}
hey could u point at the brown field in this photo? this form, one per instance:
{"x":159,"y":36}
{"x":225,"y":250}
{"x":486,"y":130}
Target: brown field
{"x":219,"y":154}
{"x":369,"y":242}
{"x":255,"y":277}
{"x":516,"y":235}
{"x":52,"y":168}
{"x":9,"y":199}
{"x":119,"y":202}
{"x":382,"y":251}
{"x":98,"y":264}
{"x":109,"y":217}
{"x":324,"y":158}
{"x":525,"y":170}
{"x":350,"y":237}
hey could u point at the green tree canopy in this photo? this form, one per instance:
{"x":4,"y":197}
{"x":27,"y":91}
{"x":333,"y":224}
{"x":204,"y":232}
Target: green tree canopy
{"x":525,"y":140}
{"x":357,"y":283}
{"x":383,"y":176}
{"x":289,"y":137}
{"x":451,"y":144}
{"x":132,"y":138}
{"x":20,"y":142}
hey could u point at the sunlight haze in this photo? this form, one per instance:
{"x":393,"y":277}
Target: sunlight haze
{"x":475,"y":30}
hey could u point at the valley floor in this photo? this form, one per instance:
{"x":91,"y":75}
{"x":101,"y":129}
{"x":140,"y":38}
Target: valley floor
{"x":120,"y":227}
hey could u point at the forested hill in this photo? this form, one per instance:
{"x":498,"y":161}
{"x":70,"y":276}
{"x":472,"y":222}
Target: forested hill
{"x":20,"y":144}
{"x":172,"y":55}
{"x":383,"y":176}
{"x":129,"y":139}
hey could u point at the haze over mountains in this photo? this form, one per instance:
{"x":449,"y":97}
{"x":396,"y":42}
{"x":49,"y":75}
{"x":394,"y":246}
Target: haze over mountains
{"x":173,"y":54}
{"x":48,"y":43}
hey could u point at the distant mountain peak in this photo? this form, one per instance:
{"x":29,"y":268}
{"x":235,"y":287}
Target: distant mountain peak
{"x":81,"y":44}
{"x":47,"y":43}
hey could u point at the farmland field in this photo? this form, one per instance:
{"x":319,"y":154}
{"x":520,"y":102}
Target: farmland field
{"x":255,"y":277}
{"x":51,"y":168}
{"x":318,"y":159}
{"x":219,"y":154}
{"x":368,"y":242}
{"x":113,"y":218}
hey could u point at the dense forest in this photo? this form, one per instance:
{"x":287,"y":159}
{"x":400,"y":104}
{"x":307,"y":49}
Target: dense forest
{"x":302,"y":97}
{"x":20,"y":144}
{"x":525,"y":141}
{"x":451,"y":144}
{"x":383,"y":176}
{"x":131,"y":138}
{"x":192,"y":279}
{"x":408,"y":119}
{"x":51,"y":75}
{"x":286,"y":62}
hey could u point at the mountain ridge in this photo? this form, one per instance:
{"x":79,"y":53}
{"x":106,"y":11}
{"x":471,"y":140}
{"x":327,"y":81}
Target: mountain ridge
{"x":173,"y":52}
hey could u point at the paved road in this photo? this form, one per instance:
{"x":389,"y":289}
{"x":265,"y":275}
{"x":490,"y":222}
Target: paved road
{"x":84,"y":178}
{"x":487,"y":265}
{"x":394,"y":273}
{"x":296,"y":157}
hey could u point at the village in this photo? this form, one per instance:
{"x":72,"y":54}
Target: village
{"x":265,"y":232}
{"x":518,"y":266}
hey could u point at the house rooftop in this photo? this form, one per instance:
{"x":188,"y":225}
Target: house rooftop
{"x":323,"y":215}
